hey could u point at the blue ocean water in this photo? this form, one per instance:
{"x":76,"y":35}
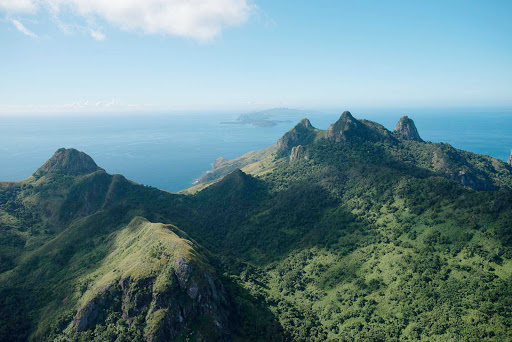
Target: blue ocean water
{"x":170,"y":151}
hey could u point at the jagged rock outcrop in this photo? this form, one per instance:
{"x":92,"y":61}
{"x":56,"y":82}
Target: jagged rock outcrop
{"x":509,"y":160}
{"x":160,"y":279}
{"x":302,"y":134}
{"x":346,"y":125}
{"x":68,"y":161}
{"x":451,"y":164}
{"x":298,"y":153}
{"x":406,"y":129}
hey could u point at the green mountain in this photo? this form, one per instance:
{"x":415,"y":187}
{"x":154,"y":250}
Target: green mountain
{"x":354,"y":233}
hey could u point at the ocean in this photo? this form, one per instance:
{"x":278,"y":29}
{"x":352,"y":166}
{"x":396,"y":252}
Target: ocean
{"x":170,"y":151}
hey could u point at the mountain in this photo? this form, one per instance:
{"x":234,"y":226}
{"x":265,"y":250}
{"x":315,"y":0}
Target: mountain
{"x":407,"y":129}
{"x":349,"y":233}
{"x":402,"y":146}
{"x":68,"y":161}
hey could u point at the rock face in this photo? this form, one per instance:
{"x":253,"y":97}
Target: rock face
{"x":449,"y":162}
{"x":344,"y":127}
{"x":509,"y":160}
{"x":69,"y":162}
{"x":167,"y":291}
{"x":406,"y":129}
{"x":302,"y":134}
{"x":298,"y":153}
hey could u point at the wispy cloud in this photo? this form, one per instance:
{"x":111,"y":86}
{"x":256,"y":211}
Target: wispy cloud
{"x":20,"y":27}
{"x":97,"y":35}
{"x":198,"y":19}
{"x":81,"y":106}
{"x":19,"y":6}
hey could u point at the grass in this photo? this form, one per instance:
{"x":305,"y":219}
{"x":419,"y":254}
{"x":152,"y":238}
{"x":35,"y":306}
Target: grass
{"x":141,"y":250}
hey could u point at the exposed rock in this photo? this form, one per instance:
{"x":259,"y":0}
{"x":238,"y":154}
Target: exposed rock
{"x":509,"y":160}
{"x":452,"y":165}
{"x":470,"y":180}
{"x":406,"y":129}
{"x":302,"y":134}
{"x":298,"y":153}
{"x":69,"y":162}
{"x":86,"y":316}
{"x":345,"y":126}
{"x":205,"y":297}
{"x":182,"y":269}
{"x":306,"y":123}
{"x":136,"y":295}
{"x":181,"y":289}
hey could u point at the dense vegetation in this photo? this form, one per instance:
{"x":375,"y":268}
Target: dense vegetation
{"x":360,"y":234}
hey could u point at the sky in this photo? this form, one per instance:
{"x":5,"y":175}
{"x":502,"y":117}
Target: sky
{"x":177,"y":55}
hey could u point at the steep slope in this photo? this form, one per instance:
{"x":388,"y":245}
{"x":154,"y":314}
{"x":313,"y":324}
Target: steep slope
{"x":406,"y":129}
{"x":345,"y":127}
{"x":68,"y":161}
{"x":303,"y":133}
{"x":158,"y":282}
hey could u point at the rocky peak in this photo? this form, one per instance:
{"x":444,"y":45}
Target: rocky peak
{"x":509,"y":160}
{"x":347,"y":123}
{"x":407,"y":129}
{"x":298,"y":153}
{"x":168,"y":301}
{"x":306,"y":123}
{"x":69,"y":162}
{"x":302,"y":134}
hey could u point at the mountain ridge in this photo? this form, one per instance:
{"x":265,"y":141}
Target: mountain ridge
{"x":442,"y":158}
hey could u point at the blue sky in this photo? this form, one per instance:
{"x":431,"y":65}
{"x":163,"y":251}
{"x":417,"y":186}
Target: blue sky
{"x":90,"y":56}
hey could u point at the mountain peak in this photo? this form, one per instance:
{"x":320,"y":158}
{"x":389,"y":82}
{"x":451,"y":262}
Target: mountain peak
{"x":346,"y":122}
{"x":302,"y":134}
{"x":68,"y":161}
{"x":346,"y":115}
{"x":305,"y":122}
{"x":407,"y":129}
{"x":509,"y":160}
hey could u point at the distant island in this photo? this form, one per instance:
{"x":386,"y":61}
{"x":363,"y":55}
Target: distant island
{"x":265,"y":118}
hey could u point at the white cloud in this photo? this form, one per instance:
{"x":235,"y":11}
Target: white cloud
{"x":20,"y":27}
{"x":97,"y":35}
{"x":198,"y":19}
{"x":19,"y":6}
